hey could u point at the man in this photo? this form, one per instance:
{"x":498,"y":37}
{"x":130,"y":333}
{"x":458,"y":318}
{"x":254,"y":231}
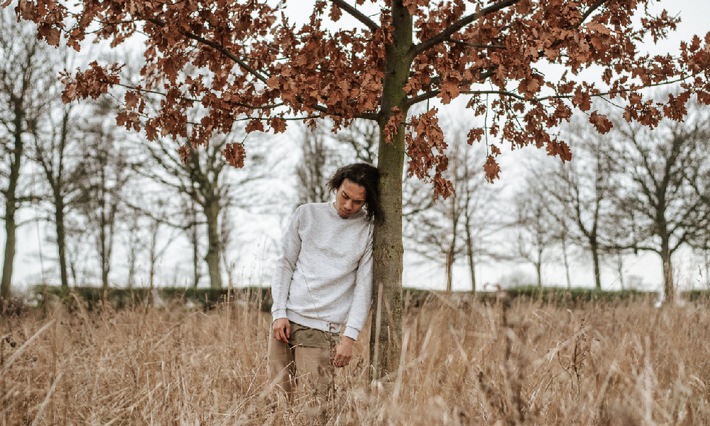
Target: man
{"x":322,"y":285}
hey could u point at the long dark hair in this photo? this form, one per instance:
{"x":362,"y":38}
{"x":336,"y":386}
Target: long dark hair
{"x":366,"y":176}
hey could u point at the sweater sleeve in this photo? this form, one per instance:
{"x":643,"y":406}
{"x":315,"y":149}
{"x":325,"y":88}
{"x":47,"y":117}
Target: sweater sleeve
{"x":362,"y":295}
{"x":285,"y":265}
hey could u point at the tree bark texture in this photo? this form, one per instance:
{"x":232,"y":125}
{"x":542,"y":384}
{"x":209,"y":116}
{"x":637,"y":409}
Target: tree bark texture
{"x":668,"y":285}
{"x":388,"y":251}
{"x":214,"y":245}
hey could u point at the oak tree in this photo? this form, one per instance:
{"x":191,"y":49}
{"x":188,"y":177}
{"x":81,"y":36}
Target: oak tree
{"x":375,"y":60}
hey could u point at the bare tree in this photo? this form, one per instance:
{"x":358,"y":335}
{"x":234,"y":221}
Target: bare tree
{"x":318,"y":163}
{"x":147,"y":238}
{"x":479,"y":203}
{"x":25,"y":75}
{"x":536,"y":225}
{"x":134,"y":245}
{"x":662,"y":204}
{"x":106,"y":173}
{"x":56,"y":148}
{"x":700,"y":181}
{"x":362,"y":136}
{"x":579,"y":194}
{"x":461,"y":225}
{"x":205,"y":189}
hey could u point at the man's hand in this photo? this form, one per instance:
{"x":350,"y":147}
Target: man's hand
{"x":343,"y":352}
{"x":282,"y":329}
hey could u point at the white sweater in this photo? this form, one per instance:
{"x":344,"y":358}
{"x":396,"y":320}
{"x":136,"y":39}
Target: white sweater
{"x":323,"y":278}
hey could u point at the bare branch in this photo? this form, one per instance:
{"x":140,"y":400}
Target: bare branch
{"x":352,"y":11}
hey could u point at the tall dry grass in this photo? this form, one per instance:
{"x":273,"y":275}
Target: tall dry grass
{"x":465,"y":363}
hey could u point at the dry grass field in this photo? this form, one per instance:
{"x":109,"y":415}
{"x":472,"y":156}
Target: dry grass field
{"x":465,"y":363}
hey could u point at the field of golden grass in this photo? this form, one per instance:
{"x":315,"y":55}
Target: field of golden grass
{"x":465,"y":363}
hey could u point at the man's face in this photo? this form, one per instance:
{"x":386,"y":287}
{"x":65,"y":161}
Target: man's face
{"x":349,"y":198}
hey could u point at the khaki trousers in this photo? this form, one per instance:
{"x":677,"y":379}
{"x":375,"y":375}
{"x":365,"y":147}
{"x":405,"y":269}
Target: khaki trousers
{"x":308,"y":370}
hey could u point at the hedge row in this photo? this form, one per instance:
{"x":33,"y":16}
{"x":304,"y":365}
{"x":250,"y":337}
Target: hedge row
{"x":120,"y":298}
{"x":208,"y":298}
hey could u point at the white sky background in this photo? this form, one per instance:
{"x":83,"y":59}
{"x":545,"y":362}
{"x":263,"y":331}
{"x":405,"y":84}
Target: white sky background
{"x":258,"y":241}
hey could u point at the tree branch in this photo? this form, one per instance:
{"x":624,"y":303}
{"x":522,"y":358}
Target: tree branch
{"x":352,"y":11}
{"x":187,"y":98}
{"x":220,"y":48}
{"x":494,"y":92}
{"x":253,"y":71}
{"x":591,"y":9}
{"x":434,"y":93}
{"x":475,"y":45}
{"x":446,"y":33}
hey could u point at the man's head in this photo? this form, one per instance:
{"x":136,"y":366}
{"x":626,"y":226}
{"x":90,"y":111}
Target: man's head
{"x":357,"y":186}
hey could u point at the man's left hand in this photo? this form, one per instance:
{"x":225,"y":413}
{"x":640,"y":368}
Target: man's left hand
{"x":343,"y":352}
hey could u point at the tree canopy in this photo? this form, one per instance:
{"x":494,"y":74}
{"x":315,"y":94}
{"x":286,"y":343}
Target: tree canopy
{"x":238,"y":60}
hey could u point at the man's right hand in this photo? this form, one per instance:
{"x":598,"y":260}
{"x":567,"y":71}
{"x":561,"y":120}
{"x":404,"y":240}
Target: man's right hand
{"x":282,"y":329}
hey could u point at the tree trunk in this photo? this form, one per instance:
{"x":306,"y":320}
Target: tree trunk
{"x":214,"y":245}
{"x":451,"y":253}
{"x":10,"y":228}
{"x":11,"y":206}
{"x":386,"y":334}
{"x":471,"y":267}
{"x":538,"y":268}
{"x":538,"y":271}
{"x":565,"y":258}
{"x":620,"y":268}
{"x":153,"y":253}
{"x":388,"y":251}
{"x":469,"y":253}
{"x":449,"y":268}
{"x":597,"y":267}
{"x":668,"y":286}
{"x":195,"y":257}
{"x":105,"y":261}
{"x":61,"y":239}
{"x":195,"y":240}
{"x":132,"y":262}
